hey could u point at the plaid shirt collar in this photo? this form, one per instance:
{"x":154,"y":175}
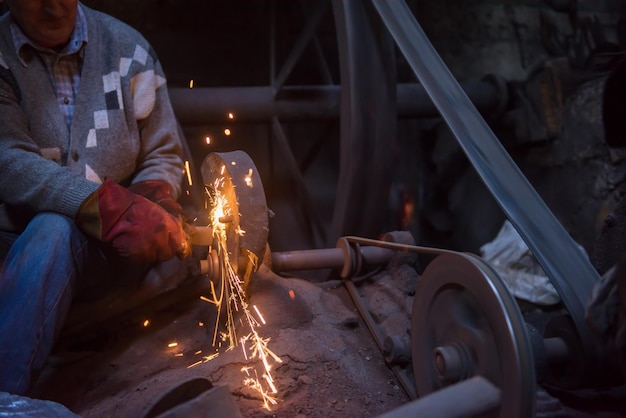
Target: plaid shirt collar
{"x":24,"y":46}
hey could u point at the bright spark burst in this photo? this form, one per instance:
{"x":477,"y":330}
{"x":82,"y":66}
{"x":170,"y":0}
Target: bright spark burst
{"x":231,"y":291}
{"x":248,"y":178}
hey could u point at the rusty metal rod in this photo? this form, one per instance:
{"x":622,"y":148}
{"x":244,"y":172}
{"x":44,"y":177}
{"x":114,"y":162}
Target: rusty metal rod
{"x":209,"y":105}
{"x":307,"y":259}
{"x":326,"y":258}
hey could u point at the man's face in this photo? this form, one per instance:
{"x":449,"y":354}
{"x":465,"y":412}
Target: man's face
{"x":48,"y":23}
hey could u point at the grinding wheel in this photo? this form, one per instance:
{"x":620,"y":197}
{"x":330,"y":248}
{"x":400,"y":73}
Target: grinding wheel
{"x":466,"y":323}
{"x":234,"y":176}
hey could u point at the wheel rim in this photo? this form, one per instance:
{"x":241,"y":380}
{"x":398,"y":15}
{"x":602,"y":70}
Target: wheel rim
{"x":466,"y":323}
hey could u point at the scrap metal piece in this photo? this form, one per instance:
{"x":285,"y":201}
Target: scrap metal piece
{"x":465,"y":323}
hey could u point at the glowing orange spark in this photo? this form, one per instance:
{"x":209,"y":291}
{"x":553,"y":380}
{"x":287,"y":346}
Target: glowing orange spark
{"x":231,"y":115}
{"x":259,"y":313}
{"x":188,"y":171}
{"x":292,"y":294}
{"x":227,"y":132}
{"x":174,"y":344}
{"x":248,"y":178}
{"x":195,"y":364}
{"x":146,"y":322}
{"x":191,"y":83}
{"x":207,"y":139}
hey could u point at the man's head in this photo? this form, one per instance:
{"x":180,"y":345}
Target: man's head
{"x":48,"y":23}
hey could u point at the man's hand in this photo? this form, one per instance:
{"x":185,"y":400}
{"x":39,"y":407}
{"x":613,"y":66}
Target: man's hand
{"x":159,"y":192}
{"x":134,"y":226}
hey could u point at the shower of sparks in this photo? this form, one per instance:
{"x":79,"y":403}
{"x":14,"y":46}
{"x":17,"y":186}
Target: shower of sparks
{"x":231,"y":291}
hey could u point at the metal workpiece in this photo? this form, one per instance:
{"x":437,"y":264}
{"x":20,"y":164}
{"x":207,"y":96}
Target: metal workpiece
{"x":562,"y":259}
{"x":200,"y":235}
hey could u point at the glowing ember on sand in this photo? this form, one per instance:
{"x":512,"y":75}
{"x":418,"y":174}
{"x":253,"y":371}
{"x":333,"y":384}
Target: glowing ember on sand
{"x":231,"y":292}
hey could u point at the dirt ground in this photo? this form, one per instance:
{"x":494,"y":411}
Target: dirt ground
{"x":330,"y":366}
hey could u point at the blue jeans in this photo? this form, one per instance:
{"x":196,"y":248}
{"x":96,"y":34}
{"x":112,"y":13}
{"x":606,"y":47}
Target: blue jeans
{"x":37,"y":283}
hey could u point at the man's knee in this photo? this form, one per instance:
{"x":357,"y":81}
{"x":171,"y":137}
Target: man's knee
{"x":53,"y":227}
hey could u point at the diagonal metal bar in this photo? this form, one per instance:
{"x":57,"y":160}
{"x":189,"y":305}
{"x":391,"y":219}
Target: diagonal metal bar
{"x":305,"y":36}
{"x":562,"y":259}
{"x":327,"y":76}
{"x":318,"y":232}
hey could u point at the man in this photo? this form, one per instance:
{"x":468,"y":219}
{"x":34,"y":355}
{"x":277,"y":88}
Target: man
{"x":90,"y":169}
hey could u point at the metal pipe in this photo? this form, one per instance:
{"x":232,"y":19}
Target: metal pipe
{"x":209,"y":105}
{"x":328,"y":258}
{"x":307,"y":259}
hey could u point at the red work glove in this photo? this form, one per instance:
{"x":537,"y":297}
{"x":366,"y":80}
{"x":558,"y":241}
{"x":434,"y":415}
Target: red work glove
{"x":133,"y":225}
{"x":159,"y":192}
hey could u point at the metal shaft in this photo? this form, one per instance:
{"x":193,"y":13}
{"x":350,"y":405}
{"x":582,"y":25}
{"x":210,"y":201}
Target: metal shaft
{"x":206,"y":105}
{"x":307,"y":259}
{"x":328,"y":258}
{"x":470,"y":398}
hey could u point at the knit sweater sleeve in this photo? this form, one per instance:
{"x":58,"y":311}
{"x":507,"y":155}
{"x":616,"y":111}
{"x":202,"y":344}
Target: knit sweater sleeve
{"x":27,"y":179}
{"x":160,"y":153}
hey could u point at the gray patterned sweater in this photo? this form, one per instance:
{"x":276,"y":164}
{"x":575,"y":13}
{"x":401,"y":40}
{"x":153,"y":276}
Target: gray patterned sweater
{"x":123,"y":126}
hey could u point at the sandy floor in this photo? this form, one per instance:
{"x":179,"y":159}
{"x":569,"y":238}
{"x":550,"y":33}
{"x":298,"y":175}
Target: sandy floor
{"x":329,"y":364}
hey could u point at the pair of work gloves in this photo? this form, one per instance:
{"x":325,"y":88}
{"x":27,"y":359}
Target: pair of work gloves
{"x":143,"y":223}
